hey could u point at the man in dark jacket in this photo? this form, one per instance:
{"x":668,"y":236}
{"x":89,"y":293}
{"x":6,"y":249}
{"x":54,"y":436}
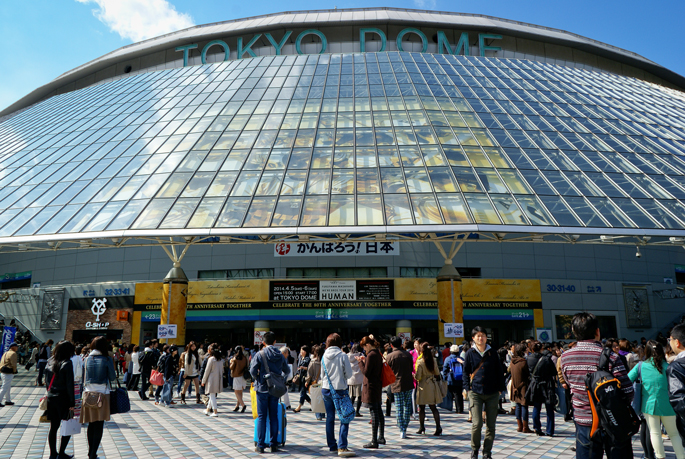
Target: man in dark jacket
{"x":483,"y":379}
{"x":401,"y":363}
{"x":544,"y":374}
{"x":267,"y":404}
{"x":147,"y":361}
{"x":676,"y":377}
{"x":533,"y":358}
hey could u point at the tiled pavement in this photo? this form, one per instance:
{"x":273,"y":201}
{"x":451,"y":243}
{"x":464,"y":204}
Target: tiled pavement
{"x":182,"y":431}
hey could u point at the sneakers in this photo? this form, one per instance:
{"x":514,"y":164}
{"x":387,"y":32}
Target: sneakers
{"x":9,"y":403}
{"x":345,"y":453}
{"x":403,"y":435}
{"x":214,"y":415}
{"x":259,"y":450}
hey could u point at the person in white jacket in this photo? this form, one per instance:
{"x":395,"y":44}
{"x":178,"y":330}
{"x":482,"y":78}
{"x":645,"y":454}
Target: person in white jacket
{"x":337,"y":369}
{"x":357,"y":379}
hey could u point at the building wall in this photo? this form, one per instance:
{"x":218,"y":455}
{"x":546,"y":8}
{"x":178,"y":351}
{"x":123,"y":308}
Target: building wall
{"x":593,"y":276}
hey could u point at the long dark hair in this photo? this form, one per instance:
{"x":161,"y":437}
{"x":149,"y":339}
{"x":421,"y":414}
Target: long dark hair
{"x":655,"y":351}
{"x":101,"y":344}
{"x":239,"y":353}
{"x":190,"y":351}
{"x":427,"y":352}
{"x":64,"y":351}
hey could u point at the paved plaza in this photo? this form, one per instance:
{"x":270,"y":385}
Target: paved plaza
{"x":183,"y":431}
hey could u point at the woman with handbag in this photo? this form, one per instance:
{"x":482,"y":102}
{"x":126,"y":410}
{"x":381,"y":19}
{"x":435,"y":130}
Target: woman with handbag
{"x":314,"y":372}
{"x":95,"y":408}
{"x":428,"y":391}
{"x":238,"y":365}
{"x":371,"y":367}
{"x":59,"y":371}
{"x":213,"y":379}
{"x":299,"y":378}
{"x":337,"y":371}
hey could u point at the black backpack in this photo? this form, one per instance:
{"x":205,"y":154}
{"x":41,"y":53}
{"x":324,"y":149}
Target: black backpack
{"x":611,"y":410}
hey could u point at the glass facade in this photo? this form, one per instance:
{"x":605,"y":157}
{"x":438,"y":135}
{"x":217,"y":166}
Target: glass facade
{"x":347,"y":140}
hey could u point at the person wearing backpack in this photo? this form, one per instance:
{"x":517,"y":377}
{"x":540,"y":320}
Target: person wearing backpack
{"x":484,"y":380}
{"x":544,"y":373}
{"x":655,"y":405}
{"x":453,"y":371}
{"x":268,"y":361}
{"x":676,"y":376}
{"x":576,"y":365}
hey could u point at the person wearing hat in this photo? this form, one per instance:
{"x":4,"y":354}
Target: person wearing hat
{"x":452,"y":370}
{"x":8,"y":368}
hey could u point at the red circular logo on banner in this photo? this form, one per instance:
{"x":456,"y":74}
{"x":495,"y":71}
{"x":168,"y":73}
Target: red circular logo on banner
{"x":283,"y":248}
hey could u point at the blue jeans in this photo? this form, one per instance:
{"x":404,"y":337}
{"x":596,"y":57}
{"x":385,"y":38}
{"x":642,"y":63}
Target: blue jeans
{"x":168,"y":390}
{"x":330,"y":422}
{"x":537,"y":425}
{"x":181,"y":379}
{"x":267,"y":405}
{"x":521,"y":412}
{"x":587,"y":448}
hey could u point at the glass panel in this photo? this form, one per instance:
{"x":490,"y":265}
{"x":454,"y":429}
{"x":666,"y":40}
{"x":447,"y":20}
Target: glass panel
{"x":369,"y":210}
{"x":586,"y":212}
{"x":611,"y":213}
{"x":426,"y":210}
{"x":491,"y":181}
{"x":535,"y":211}
{"x":270,"y":183}
{"x":104,"y":216}
{"x":397,"y":210}
{"x":222,"y":184}
{"x":206,"y":213}
{"x":342,"y":211}
{"x":366,"y":157}
{"x":260,"y":213}
{"x":367,"y":181}
{"x":257,"y":160}
{"x":636,"y":214}
{"x":508,"y":210}
{"x":560,"y":211}
{"x":319,"y":182}
{"x":321,"y":159}
{"x":658,"y":213}
{"x":442,"y":180}
{"x":294,"y":182}
{"x":125,"y":217}
{"x":467,"y":179}
{"x":153,"y":214}
{"x":343,"y":182}
{"x":482,"y":209}
{"x":36,"y":222}
{"x":233,"y":213}
{"x":300,"y":159}
{"x":315,"y":211}
{"x":287,"y":212}
{"x":198,"y":185}
{"x":180,"y":213}
{"x":235,"y":160}
{"x":344,"y":158}
{"x":246,"y":184}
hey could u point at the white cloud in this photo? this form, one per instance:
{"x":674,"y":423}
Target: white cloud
{"x":424,"y":4}
{"x":138,"y":20}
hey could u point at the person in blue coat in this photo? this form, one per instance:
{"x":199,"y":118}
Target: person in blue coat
{"x":655,"y":404}
{"x":453,"y":371}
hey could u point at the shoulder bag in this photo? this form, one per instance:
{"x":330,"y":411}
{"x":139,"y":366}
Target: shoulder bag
{"x":387,"y":375}
{"x":274,"y":382}
{"x":343,"y":405}
{"x":43,"y":403}
{"x":482,"y":361}
{"x":119,"y":401}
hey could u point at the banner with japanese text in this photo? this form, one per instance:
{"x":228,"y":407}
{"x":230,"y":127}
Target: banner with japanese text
{"x":336,"y":249}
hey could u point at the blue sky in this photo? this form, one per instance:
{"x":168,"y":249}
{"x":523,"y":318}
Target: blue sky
{"x":45,"y":38}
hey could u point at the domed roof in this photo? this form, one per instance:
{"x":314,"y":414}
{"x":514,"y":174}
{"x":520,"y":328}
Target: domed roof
{"x":378,"y":143}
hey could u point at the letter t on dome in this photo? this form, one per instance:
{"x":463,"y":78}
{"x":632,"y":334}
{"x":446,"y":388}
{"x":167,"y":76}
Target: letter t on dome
{"x":186,"y":50}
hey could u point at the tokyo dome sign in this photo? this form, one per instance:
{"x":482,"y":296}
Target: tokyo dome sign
{"x":444,"y":46}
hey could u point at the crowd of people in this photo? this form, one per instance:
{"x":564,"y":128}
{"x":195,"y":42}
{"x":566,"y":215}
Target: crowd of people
{"x":411,"y":375}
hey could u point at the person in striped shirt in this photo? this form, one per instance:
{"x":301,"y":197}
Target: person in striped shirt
{"x":576,"y":363}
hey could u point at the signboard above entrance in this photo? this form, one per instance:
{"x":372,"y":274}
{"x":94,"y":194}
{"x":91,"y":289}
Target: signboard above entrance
{"x":334,"y":250}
